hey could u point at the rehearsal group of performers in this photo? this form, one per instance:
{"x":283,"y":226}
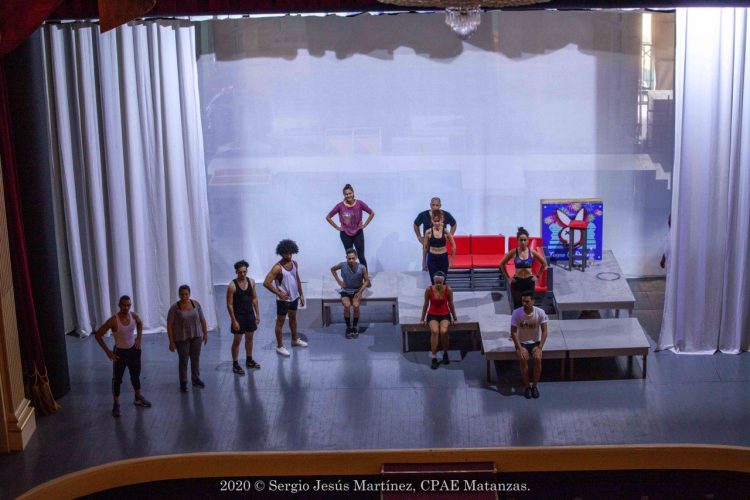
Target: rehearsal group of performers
{"x":434,"y":228}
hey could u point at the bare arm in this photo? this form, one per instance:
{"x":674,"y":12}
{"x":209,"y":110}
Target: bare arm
{"x":514,"y":336}
{"x":365,"y":281}
{"x":425,"y":246}
{"x":424,"y":307}
{"x":268,"y":282}
{"x":231,"y":289}
{"x":170,"y":332}
{"x":451,"y":306}
{"x":369,"y":218}
{"x":522,"y":353}
{"x":336,"y":276}
{"x":330,"y":221}
{"x":256,"y":304}
{"x":540,"y":258}
{"x":418,"y":233}
{"x":453,"y":228}
{"x":139,"y":330}
{"x":453,"y":248}
{"x":544,"y":336}
{"x":504,"y":261}
{"x":99,"y":336}
{"x":204,"y":326}
{"x":299,"y":287}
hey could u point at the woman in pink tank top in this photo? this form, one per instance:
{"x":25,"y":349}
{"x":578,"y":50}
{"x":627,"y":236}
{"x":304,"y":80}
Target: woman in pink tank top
{"x":350,"y":226}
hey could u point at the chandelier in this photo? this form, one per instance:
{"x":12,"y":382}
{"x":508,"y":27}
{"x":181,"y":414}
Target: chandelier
{"x":463,"y":16}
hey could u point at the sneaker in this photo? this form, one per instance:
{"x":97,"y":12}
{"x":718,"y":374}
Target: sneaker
{"x":236,"y":368}
{"x":445,"y":358}
{"x":355,"y":332}
{"x":251,"y":363}
{"x":283,"y":351}
{"x":142,"y":402}
{"x":198,"y":383}
{"x":534,"y":392}
{"x":434,"y":364}
{"x":348,"y":333}
{"x":116,"y":410}
{"x":183,"y":386}
{"x":299,"y":343}
{"x":527,"y":393}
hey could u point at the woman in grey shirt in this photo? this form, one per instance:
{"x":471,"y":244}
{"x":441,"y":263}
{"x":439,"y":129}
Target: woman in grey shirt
{"x":186,"y":328}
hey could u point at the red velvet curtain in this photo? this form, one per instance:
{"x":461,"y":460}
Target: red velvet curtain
{"x":36,"y":381}
{"x":19,"y":19}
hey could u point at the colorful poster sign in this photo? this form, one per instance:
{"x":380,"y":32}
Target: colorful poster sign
{"x":556,"y":231}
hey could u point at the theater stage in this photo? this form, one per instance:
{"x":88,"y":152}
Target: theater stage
{"x":367,"y":394}
{"x":484,"y":317}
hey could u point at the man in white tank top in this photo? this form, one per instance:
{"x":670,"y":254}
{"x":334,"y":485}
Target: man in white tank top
{"x":283,"y":281}
{"x":127,"y":329}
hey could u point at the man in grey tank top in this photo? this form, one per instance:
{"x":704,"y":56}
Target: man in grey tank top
{"x":353,"y":282}
{"x":283,"y":281}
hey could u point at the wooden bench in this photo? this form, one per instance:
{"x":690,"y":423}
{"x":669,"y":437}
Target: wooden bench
{"x":326,"y":303}
{"x":498,"y":346}
{"x":572,"y":339}
{"x":605,"y":338}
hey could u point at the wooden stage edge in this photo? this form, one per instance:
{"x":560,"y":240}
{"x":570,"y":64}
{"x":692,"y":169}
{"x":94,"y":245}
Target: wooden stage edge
{"x":370,"y":462}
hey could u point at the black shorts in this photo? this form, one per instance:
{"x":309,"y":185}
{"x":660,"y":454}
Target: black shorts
{"x":247,"y":324}
{"x":438,"y":317}
{"x":283,"y":307}
{"x":530,"y":347}
{"x":347,"y":294}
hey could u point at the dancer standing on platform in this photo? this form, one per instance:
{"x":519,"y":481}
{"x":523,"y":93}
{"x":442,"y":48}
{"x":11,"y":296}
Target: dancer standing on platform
{"x":441,"y":313}
{"x":244,"y":312}
{"x":353,"y":282}
{"x":524,"y":280}
{"x":186,"y":328}
{"x":434,"y":251}
{"x":424,"y":219}
{"x":127,"y":352}
{"x":525,"y":324}
{"x":350,"y":220}
{"x":283,"y":281}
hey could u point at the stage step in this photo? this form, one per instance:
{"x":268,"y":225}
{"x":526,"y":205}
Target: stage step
{"x":443,"y":480}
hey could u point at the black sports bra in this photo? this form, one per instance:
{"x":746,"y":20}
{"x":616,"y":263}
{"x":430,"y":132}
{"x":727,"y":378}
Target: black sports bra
{"x":437,"y":242}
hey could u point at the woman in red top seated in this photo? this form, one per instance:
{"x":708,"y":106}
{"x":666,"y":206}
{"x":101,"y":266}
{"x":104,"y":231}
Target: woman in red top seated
{"x":440,"y":311}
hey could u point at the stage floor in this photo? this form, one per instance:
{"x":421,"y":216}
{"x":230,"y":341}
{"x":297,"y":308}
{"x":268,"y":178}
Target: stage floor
{"x":367,"y":394}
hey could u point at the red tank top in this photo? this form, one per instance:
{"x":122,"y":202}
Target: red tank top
{"x":438,"y":306}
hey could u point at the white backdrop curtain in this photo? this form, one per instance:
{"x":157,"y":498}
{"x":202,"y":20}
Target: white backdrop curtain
{"x":128,"y":156}
{"x":706,"y":307}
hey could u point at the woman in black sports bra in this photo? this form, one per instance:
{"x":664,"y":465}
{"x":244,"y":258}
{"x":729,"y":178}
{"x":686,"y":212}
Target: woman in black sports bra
{"x":523,"y":257}
{"x":434,"y":251}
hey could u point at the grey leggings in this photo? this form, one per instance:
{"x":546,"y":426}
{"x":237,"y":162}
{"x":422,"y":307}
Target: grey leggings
{"x":190,"y":348}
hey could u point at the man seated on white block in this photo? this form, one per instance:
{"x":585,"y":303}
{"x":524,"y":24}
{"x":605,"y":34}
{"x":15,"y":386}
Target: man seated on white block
{"x":525,"y":324}
{"x":353,"y":282}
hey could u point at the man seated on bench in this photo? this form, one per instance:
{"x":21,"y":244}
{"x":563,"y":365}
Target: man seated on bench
{"x":525,"y":324}
{"x":353,"y":282}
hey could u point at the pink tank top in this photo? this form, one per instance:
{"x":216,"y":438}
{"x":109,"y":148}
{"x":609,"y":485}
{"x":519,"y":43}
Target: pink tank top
{"x":125,"y":334}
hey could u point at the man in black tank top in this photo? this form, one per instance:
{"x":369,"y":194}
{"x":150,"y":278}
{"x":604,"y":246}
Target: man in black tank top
{"x":242,"y":305}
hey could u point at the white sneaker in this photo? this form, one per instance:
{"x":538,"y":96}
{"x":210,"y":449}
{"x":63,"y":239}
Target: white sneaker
{"x":299,"y":343}
{"x":282,"y":350}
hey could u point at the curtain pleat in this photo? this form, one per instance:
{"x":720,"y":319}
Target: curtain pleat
{"x":130,"y":159}
{"x":706,"y":307}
